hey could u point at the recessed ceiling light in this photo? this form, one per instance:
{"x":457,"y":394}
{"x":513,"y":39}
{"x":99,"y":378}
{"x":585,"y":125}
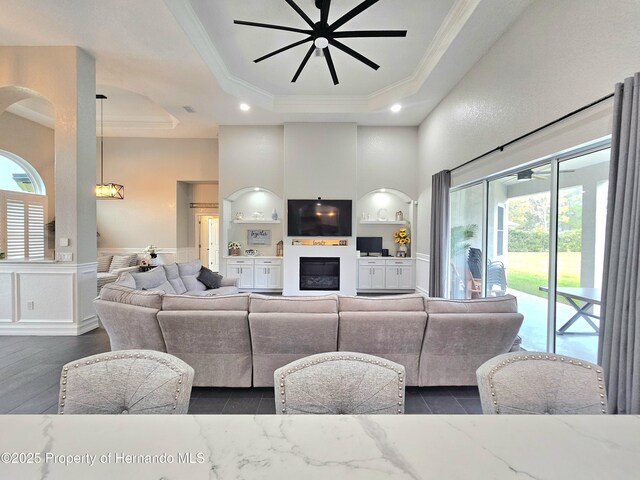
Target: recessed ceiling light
{"x":395,"y":108}
{"x":256,"y":189}
{"x":244,"y":107}
{"x":383,"y":190}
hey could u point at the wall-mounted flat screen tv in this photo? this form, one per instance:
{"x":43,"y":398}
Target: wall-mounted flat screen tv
{"x":319,"y":218}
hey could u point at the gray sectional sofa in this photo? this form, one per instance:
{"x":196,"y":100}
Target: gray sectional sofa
{"x":239,"y":340}
{"x":177,"y":278}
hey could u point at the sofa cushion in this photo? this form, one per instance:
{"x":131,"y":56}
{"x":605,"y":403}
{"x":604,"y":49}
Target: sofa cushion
{"x":173,"y":275}
{"x":104,"y":262}
{"x":209,"y":278}
{"x":189,"y":273}
{"x":123,"y":261}
{"x":505,"y":304}
{"x":154,"y":279}
{"x":395,"y":303}
{"x":268,"y":304}
{"x":113,"y":292}
{"x":215,"y":302}
{"x":126,"y":280}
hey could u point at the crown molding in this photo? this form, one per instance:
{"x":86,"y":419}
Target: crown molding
{"x":450,"y":28}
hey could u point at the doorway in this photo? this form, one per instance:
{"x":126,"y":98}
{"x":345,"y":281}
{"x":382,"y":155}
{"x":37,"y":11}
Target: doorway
{"x":208,"y":241}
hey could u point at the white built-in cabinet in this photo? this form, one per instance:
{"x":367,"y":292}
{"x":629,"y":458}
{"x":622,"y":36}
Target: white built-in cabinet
{"x":371,"y":274}
{"x":399,"y":274}
{"x":256,"y":273}
{"x":267,"y":273}
{"x":386,"y":274}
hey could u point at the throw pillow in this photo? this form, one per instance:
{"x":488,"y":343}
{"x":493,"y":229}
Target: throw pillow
{"x":209,"y":278}
{"x":103,"y":263}
{"x":120,"y":261}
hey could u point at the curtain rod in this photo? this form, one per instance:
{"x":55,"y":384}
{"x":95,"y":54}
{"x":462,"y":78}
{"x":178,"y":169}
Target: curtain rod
{"x":564,"y":117}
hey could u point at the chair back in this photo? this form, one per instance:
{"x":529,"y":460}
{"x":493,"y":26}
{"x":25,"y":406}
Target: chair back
{"x":126,"y":381}
{"x":340,"y":383}
{"x":541,"y":383}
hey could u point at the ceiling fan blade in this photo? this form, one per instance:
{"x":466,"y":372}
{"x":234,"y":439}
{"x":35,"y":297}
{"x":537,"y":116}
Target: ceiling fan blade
{"x":304,"y":62}
{"x":280,"y":50}
{"x":300,"y":12}
{"x":332,"y":69}
{"x":354,"y":54}
{"x":275,"y":27}
{"x":324,"y":11}
{"x":352,"y":13}
{"x":370,"y":33}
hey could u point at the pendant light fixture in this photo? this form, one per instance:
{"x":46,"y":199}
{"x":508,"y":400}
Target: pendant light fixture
{"x":106,"y":191}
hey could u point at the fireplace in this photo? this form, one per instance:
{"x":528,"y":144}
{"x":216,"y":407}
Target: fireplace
{"x":320,"y":273}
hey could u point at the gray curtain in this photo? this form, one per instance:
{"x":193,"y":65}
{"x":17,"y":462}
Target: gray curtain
{"x":619,"y":351}
{"x":440,"y":184}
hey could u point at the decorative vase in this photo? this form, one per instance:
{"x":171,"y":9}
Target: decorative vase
{"x":399,"y":216}
{"x":274,"y":214}
{"x":402,"y":251}
{"x":234,"y":252}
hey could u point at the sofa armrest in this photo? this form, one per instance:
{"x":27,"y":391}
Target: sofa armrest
{"x":229,"y":281}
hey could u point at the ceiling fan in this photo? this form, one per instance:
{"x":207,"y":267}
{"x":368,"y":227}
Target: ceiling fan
{"x":322,"y":34}
{"x":529,"y":174}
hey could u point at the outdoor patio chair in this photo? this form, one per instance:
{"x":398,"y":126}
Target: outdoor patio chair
{"x":541,"y":383}
{"x":126,"y":381}
{"x":340,"y":383}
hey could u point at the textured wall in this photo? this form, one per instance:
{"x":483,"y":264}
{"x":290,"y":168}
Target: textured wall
{"x":558,"y":56}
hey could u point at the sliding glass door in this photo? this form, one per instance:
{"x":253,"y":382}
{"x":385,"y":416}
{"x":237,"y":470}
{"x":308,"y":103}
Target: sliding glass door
{"x":518,"y":223}
{"x":466,"y":207}
{"x":537,"y":233}
{"x":582,"y":212}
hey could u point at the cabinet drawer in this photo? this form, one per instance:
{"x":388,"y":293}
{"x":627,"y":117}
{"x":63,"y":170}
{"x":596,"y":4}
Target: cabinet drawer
{"x":370,"y":262}
{"x":399,"y":263}
{"x":240,"y":262}
{"x":268,"y":261}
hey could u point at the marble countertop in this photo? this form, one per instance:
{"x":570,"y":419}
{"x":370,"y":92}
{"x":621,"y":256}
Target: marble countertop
{"x":319,"y":447}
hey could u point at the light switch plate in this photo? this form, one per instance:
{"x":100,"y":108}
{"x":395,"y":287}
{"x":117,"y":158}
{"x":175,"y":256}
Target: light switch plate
{"x":63,"y":242}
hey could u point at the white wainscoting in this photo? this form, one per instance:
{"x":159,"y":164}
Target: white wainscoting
{"x":423,"y":264}
{"x":47,"y":298}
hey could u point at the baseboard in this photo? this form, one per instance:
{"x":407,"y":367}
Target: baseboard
{"x":55,"y":329}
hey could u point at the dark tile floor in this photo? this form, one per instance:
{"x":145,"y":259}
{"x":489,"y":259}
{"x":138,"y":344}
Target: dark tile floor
{"x":30,"y":371}
{"x":260,"y":401}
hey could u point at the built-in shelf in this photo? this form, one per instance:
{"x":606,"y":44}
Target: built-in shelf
{"x":255,"y":221}
{"x":383,"y":222}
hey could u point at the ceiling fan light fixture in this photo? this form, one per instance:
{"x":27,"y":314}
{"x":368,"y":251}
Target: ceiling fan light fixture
{"x":396,"y":107}
{"x":321,"y":42}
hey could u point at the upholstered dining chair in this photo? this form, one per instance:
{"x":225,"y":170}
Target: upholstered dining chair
{"x":340,"y":383}
{"x":541,"y":383}
{"x":126,"y":381}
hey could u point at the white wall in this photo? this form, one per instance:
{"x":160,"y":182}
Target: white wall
{"x":251,"y":157}
{"x":150,"y":170}
{"x":558,"y":56}
{"x":388,"y":157}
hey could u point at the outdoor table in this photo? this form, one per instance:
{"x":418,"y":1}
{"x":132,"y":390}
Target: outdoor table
{"x":590,"y":297}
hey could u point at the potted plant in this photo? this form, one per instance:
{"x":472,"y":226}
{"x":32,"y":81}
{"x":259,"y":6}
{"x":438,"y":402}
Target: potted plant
{"x":402,"y":238}
{"x":234,"y":249}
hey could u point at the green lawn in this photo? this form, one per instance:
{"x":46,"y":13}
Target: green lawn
{"x":528,"y":270}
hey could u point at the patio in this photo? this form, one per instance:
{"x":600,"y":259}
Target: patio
{"x":579,"y":341}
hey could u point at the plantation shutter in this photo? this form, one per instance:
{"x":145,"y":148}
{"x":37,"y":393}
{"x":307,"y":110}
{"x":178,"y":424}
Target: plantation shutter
{"x":16,"y":237}
{"x":22,"y":229}
{"x":35,"y":232}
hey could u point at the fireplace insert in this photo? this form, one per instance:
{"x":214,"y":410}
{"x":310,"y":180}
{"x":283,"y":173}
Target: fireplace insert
{"x":319,"y":273}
